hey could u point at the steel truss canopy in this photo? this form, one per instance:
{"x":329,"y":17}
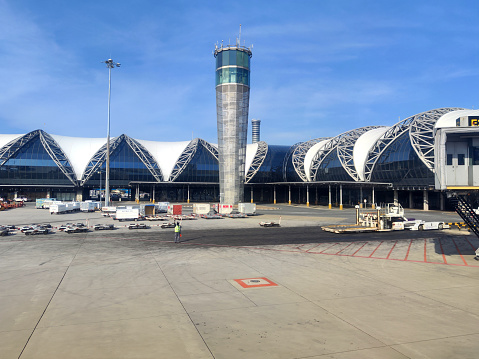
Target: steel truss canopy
{"x":50,"y":146}
{"x":258,"y":160}
{"x":420,"y":127}
{"x":100,"y":157}
{"x":344,"y":143}
{"x":188,"y":154}
{"x":299,"y":155}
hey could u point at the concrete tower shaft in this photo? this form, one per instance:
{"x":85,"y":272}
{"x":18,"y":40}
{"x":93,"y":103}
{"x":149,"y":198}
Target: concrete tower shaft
{"x":232,"y":106}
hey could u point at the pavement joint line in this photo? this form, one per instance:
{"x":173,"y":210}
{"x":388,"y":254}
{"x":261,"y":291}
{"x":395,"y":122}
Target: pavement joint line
{"x":187,"y":313}
{"x":53,"y":295}
{"x":389,"y":254}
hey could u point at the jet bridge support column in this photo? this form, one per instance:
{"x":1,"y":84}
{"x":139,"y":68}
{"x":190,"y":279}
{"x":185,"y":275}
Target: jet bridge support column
{"x":341,"y":197}
{"x":373,"y":206}
{"x":251,"y":194}
{"x":425,"y":201}
{"x":188,"y":199}
{"x":330,"y":206}
{"x":396,"y":197}
{"x":289,"y":194}
{"x":274,"y":194}
{"x":307,"y":196}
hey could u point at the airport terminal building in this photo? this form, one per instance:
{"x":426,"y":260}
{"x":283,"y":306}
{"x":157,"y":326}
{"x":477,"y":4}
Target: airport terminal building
{"x":416,"y":162}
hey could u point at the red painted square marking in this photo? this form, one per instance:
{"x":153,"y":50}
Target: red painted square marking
{"x":255,"y":282}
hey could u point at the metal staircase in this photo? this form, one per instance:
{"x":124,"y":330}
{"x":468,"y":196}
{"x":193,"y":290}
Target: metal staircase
{"x":465,"y":210}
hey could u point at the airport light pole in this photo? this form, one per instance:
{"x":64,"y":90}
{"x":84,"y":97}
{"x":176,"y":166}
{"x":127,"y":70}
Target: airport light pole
{"x":110,"y":64}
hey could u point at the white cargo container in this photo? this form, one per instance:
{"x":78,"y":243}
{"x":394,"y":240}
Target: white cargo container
{"x":201,"y":208}
{"x":58,"y":208}
{"x":48,"y":203}
{"x":162,"y":207}
{"x":89,"y":206}
{"x":222,"y":208}
{"x":73,"y":206}
{"x":247,"y":208}
{"x":108,"y":209}
{"x":127,"y":214}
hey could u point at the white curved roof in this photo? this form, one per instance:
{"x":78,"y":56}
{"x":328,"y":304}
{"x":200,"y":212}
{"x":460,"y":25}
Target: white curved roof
{"x":165,"y":154}
{"x":4,"y":139}
{"x":308,"y":159}
{"x":362,"y":146}
{"x":251,"y":149}
{"x":449,"y":119}
{"x":79,"y":150}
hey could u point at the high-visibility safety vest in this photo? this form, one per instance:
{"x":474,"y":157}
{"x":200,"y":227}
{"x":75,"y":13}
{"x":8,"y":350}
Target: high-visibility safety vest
{"x":177,"y":229}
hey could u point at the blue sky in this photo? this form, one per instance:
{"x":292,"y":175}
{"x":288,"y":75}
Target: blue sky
{"x":319,"y":68}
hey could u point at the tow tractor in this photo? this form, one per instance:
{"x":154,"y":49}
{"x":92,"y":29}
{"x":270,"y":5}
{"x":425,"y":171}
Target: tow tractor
{"x":271,"y":224}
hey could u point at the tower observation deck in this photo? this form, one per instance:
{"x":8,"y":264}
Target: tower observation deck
{"x":232,"y":106}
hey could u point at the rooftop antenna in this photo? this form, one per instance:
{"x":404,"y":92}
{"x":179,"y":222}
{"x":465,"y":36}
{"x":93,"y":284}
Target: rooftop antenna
{"x":239,"y":37}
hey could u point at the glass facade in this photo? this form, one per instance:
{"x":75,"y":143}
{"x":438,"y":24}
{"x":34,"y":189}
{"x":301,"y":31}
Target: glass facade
{"x":272,"y":168}
{"x":227,"y":75}
{"x":32,"y":165}
{"x":125,"y":166}
{"x":331,"y":169}
{"x":232,"y":66}
{"x":400,"y":165}
{"x":232,"y":58}
{"x":203,"y":167}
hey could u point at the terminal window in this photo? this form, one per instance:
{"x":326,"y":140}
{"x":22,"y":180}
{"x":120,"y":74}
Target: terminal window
{"x":449,"y":160}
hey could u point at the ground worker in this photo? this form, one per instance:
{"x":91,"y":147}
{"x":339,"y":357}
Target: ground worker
{"x":177,"y":232}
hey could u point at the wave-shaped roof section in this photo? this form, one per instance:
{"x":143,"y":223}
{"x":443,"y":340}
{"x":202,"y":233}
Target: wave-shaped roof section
{"x":308,"y":158}
{"x":166,"y":154}
{"x":362,"y":146}
{"x":344,"y":143}
{"x":420,"y":127}
{"x":449,"y":119}
{"x":5,"y":139}
{"x":299,"y":155}
{"x":79,"y":150}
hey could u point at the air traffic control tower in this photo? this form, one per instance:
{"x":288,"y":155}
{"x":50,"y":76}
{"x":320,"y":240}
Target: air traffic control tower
{"x":232,"y":105}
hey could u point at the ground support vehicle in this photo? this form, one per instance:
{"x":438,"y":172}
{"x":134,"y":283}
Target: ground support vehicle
{"x":36,"y":230}
{"x":103,"y":227}
{"x":71,"y":230}
{"x":419,"y":225}
{"x":269,"y":224}
{"x":4,"y":232}
{"x":138,"y":226}
{"x":167,"y":225}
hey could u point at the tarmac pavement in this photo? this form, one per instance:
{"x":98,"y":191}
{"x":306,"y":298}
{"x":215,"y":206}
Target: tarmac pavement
{"x":233,"y":289}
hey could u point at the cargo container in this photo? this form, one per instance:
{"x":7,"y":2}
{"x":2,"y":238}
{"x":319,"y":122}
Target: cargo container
{"x":89,"y":206}
{"x":222,"y":208}
{"x":49,"y":201}
{"x":148,"y":210}
{"x":247,"y":208}
{"x":162,"y":207}
{"x":108,"y":209}
{"x":58,"y":208}
{"x":175,"y":209}
{"x":201,"y":208}
{"x":127,"y":214}
{"x":73,"y":206}
{"x":40,"y":201}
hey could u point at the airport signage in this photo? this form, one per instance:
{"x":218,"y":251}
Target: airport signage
{"x":473,"y":121}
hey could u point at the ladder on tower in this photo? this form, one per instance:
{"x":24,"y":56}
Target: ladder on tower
{"x":467,"y":213}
